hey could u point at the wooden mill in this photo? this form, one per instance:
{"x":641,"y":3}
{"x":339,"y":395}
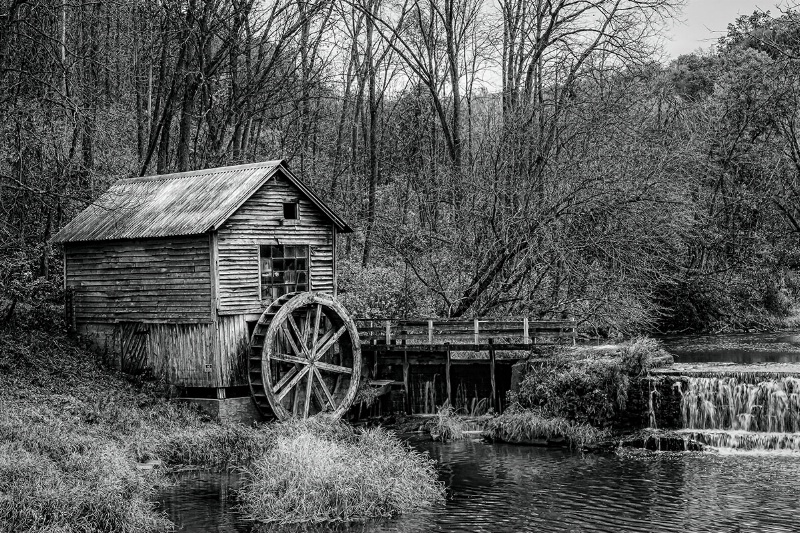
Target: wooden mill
{"x":176,"y":274}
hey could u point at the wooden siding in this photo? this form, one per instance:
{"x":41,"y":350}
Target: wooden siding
{"x":233,"y":347}
{"x":176,"y":353}
{"x":165,"y":279}
{"x":260,"y":221}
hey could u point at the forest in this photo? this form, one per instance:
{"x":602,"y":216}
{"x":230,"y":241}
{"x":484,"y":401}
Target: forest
{"x":497,"y":158}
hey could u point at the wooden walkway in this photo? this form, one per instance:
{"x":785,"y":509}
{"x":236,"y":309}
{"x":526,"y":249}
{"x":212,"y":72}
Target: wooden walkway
{"x":470,"y":335}
{"x":457,"y":342}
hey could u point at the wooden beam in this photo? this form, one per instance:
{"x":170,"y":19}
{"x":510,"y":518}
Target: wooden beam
{"x":492,"y":361}
{"x":406,"y":370}
{"x":477,"y":332}
{"x":525,"y":333}
{"x":447,"y":374}
{"x":430,"y":331}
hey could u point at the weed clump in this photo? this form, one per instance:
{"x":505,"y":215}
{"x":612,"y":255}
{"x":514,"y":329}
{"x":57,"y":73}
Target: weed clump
{"x":524,"y":426}
{"x":323,"y":470}
{"x":447,"y":425}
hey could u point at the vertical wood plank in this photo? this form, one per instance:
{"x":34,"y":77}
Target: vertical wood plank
{"x":492,"y":367}
{"x":447,"y":373}
{"x":525,"y":334}
{"x":477,"y":333}
{"x":388,"y":328}
{"x":430,"y":331}
{"x":406,"y":370}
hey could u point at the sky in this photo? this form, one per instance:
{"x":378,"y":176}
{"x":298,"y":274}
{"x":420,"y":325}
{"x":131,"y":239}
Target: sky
{"x":704,"y":21}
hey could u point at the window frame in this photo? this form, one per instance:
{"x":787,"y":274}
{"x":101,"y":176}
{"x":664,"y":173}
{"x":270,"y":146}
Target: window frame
{"x":296,"y":205}
{"x":288,"y":286}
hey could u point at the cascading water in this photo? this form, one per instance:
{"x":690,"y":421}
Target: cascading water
{"x":745,"y":412}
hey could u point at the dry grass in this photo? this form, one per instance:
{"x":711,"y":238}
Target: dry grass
{"x":71,"y":435}
{"x":325,"y":471}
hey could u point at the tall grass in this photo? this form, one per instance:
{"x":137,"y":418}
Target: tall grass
{"x":446,"y":425}
{"x":326,"y":471}
{"x":522,"y":426}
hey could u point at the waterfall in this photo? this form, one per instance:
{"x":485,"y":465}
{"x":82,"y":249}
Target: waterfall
{"x":742,"y":412}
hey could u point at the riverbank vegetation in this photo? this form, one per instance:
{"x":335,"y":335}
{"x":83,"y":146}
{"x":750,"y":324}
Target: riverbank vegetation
{"x":322,"y":470}
{"x":83,"y":449}
{"x":578,"y":395}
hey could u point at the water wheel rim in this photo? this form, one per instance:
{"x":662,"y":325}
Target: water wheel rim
{"x":307,"y":358}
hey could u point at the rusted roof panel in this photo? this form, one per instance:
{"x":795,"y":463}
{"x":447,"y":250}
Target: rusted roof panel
{"x":185,"y":203}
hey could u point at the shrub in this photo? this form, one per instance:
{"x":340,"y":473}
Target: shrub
{"x":323,"y":470}
{"x":585,"y":385}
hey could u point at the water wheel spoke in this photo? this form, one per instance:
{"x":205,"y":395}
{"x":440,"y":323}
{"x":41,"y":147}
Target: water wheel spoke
{"x":306,"y":326}
{"x":333,"y":368}
{"x":289,"y":338}
{"x":309,"y":384}
{"x":327,"y":341}
{"x":287,"y":358}
{"x":316,"y":328}
{"x":296,"y":330}
{"x":294,"y":381}
{"x":324,"y":388}
{"x":285,"y":379}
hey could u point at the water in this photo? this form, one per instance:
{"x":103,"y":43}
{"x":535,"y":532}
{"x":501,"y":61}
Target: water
{"x":747,"y":484}
{"x":735,"y":348}
{"x":515,"y":488}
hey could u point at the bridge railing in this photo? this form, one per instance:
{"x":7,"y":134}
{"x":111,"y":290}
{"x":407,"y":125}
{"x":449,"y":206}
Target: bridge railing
{"x":472,"y":332}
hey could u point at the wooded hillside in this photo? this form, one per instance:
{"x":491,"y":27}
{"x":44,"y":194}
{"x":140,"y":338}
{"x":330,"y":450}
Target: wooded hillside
{"x":508,"y":157}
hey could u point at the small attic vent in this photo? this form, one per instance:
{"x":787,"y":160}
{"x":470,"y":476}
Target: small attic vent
{"x":290,"y":210}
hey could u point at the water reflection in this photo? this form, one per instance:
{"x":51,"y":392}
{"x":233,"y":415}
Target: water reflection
{"x":782,"y":347}
{"x":515,"y":488}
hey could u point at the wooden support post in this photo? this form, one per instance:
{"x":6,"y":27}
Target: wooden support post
{"x":477,"y":335}
{"x":388,"y":326}
{"x":406,"y":376}
{"x":526,"y":338}
{"x":491,"y":367}
{"x":574,"y":332}
{"x":447,"y":375}
{"x":430,"y":331}
{"x":220,"y":393}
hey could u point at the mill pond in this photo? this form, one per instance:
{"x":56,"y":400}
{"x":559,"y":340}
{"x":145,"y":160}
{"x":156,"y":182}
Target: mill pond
{"x":740,"y":483}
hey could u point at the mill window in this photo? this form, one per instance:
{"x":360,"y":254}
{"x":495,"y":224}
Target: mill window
{"x":290,"y":211}
{"x":284,"y":269}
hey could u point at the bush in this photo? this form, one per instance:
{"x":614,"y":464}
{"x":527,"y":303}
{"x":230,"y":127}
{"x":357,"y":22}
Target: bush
{"x":326,"y":471}
{"x":584,"y":385}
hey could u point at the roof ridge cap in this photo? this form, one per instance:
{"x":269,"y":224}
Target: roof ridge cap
{"x":201,"y":172}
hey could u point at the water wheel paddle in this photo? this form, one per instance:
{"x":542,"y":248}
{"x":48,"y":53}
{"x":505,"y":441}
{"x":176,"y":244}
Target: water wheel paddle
{"x":305,"y":357}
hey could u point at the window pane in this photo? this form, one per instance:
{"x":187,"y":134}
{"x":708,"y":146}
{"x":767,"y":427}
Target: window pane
{"x":276,"y":251}
{"x":300,"y":264}
{"x":302,"y":251}
{"x":301,"y":277}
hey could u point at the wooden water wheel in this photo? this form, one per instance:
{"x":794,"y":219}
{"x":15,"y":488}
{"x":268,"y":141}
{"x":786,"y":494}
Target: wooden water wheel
{"x":305,"y":357}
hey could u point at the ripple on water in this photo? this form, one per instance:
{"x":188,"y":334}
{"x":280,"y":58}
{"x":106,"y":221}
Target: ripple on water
{"x":495,"y":488}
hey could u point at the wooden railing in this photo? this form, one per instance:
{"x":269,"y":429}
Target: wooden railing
{"x":463,"y":334}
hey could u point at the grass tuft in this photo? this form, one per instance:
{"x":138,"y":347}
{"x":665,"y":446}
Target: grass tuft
{"x":522,"y":426}
{"x":323,"y":470}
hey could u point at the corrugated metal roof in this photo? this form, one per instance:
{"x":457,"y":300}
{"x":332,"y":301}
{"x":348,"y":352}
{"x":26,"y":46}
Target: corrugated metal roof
{"x":185,"y":203}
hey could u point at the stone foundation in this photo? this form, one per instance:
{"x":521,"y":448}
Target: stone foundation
{"x":228,"y":410}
